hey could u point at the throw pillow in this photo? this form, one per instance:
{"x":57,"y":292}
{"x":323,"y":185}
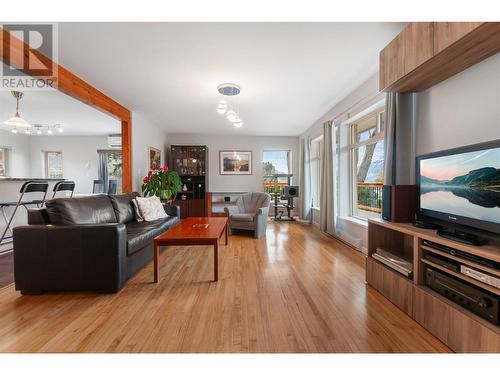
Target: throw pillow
{"x":138,"y":216}
{"x":151,"y":208}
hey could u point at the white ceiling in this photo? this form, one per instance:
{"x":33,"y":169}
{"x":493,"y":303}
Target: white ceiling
{"x":290,"y":73}
{"x":53,"y":107}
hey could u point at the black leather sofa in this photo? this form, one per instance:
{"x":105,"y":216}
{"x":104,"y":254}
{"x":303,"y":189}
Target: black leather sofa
{"x":84,"y":244}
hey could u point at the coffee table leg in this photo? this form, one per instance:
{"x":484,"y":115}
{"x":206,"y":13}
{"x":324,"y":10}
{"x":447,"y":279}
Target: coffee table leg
{"x":216,"y":260}
{"x":156,"y":262}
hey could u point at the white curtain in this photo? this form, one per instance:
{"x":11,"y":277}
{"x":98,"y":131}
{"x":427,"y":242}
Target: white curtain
{"x":305,"y":179}
{"x":327,"y":200}
{"x":399,"y":139}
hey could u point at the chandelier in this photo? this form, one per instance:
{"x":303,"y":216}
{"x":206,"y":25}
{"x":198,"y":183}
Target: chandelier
{"x":230,"y":109}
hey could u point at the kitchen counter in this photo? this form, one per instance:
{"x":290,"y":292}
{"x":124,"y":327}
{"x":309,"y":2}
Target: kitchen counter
{"x":29,"y":179}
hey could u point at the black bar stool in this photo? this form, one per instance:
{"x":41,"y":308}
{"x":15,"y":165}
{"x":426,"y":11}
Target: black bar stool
{"x":63,"y":186}
{"x":112,"y":187}
{"x":28,"y":187}
{"x":98,"y":187}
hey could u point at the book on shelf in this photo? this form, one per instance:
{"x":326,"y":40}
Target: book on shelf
{"x":393,"y":261}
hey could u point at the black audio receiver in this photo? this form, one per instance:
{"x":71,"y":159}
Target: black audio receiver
{"x":480,"y":302}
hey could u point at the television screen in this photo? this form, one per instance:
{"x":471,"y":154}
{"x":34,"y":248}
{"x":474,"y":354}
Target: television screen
{"x":462,"y":185}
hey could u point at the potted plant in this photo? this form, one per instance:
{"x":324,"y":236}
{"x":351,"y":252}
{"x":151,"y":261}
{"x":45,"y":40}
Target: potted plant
{"x":163,"y":183}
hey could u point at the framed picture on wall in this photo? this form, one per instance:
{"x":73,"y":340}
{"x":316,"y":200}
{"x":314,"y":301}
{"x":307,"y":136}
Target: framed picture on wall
{"x":154,"y":157}
{"x":235,"y":162}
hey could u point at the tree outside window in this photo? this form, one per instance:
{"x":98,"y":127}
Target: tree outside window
{"x":367,"y":164}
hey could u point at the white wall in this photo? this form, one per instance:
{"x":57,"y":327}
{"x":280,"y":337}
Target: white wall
{"x":256,"y":144}
{"x":144,"y":134}
{"x":19,"y":153}
{"x":80,"y":158}
{"x":463,"y":110}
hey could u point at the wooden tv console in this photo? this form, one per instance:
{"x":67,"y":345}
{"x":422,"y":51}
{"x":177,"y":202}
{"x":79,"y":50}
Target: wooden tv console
{"x":460,"y":329}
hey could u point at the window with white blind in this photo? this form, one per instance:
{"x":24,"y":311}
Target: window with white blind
{"x":53,"y":161}
{"x":3,"y":162}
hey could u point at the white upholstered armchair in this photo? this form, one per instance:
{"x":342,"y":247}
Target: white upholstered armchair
{"x":250,"y":213}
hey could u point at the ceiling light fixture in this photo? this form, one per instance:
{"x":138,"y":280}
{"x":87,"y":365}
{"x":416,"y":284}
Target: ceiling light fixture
{"x":229,"y":89}
{"x":232,"y":116}
{"x":229,"y":109}
{"x":222,"y":107}
{"x":39,"y":129}
{"x":17,"y":120}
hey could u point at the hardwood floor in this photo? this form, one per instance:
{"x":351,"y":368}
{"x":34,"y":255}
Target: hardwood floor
{"x":6,"y":269}
{"x":292,"y":291}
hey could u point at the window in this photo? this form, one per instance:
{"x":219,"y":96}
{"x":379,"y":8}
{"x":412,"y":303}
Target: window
{"x":53,"y":164}
{"x":315,"y":162}
{"x":367,"y":164}
{"x":3,"y":162}
{"x":115,"y":169}
{"x":276,"y":165}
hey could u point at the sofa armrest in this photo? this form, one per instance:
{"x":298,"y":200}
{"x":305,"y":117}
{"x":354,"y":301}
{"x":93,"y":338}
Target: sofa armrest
{"x":172,"y":210}
{"x":70,"y":257}
{"x":231,"y":210}
{"x":38,"y":216}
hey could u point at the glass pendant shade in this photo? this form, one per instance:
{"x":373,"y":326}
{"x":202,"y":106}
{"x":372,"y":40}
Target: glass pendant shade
{"x":232,"y":116}
{"x":17,"y":121}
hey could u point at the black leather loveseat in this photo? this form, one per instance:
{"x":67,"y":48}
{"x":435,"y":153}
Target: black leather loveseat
{"x":89,"y":243}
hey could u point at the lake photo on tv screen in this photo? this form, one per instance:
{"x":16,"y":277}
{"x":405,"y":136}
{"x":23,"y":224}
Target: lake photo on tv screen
{"x":465,"y":184}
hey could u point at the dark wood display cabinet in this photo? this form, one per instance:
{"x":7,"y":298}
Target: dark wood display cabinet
{"x":191,"y":163}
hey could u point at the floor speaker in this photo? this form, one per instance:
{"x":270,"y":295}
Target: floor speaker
{"x":399,"y":203}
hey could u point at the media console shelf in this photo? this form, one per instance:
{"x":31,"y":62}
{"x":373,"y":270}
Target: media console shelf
{"x":457,"y":327}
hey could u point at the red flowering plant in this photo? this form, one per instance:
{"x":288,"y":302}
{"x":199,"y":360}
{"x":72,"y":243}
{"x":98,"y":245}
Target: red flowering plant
{"x":161,"y":182}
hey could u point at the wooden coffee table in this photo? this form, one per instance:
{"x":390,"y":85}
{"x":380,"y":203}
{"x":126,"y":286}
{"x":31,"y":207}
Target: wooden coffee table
{"x":193,"y":231}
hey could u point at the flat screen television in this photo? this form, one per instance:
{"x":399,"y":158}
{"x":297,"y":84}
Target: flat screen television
{"x":462,"y":186}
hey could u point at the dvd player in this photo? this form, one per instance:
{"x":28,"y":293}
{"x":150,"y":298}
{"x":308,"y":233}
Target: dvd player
{"x":463,"y":254}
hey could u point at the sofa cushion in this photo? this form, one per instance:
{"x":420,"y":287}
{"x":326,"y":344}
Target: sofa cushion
{"x":151,"y":208}
{"x":124,"y":209}
{"x":140,"y":234}
{"x":242,"y":217}
{"x":95,"y":209}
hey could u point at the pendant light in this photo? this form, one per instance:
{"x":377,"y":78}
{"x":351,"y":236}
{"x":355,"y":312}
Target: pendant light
{"x":231,"y":108}
{"x":17,"y":120}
